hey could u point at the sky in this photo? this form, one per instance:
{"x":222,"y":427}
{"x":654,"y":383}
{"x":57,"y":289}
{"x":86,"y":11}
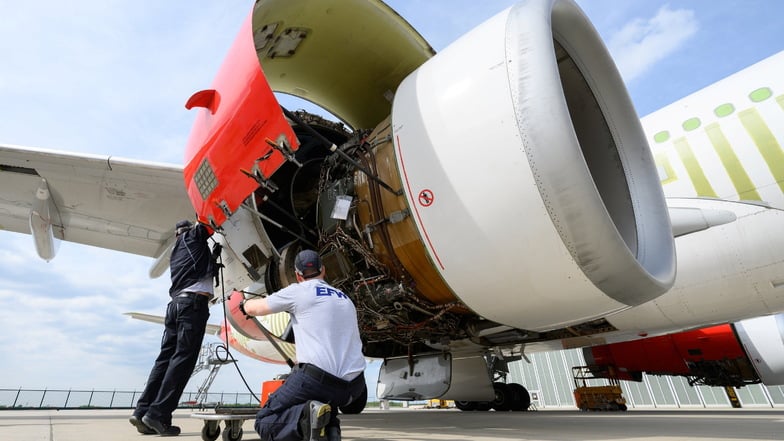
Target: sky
{"x":111,"y":77}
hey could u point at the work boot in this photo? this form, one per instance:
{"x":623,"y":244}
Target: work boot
{"x":313,"y":422}
{"x":140,"y":426}
{"x":333,"y":433}
{"x":162,"y":428}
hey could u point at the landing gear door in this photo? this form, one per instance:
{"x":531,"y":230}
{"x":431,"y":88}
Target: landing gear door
{"x":416,"y":378}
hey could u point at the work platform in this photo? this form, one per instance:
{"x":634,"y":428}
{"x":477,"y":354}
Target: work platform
{"x":433,"y":424}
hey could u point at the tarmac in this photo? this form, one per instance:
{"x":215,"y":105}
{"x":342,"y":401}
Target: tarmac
{"x":432,"y":424}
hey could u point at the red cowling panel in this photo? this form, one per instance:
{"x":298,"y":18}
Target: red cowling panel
{"x":246,"y":326}
{"x":669,"y":354}
{"x":230,"y":133}
{"x":227,"y":335}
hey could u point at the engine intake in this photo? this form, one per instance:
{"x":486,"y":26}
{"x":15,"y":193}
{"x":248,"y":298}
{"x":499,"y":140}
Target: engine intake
{"x":529,"y":175}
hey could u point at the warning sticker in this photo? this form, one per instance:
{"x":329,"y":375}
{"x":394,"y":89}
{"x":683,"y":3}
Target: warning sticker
{"x":426,"y":198}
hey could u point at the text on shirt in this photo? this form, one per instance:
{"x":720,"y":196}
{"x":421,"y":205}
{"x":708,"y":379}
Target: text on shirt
{"x":326,"y":291}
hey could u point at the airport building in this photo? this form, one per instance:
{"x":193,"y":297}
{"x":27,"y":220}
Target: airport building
{"x":549,"y":379}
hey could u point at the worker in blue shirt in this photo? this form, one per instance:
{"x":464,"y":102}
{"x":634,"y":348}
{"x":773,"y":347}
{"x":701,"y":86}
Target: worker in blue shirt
{"x":192,"y":267}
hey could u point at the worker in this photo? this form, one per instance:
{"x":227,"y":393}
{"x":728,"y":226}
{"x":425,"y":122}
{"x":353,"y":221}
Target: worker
{"x":192,"y":267}
{"x":330,"y":366}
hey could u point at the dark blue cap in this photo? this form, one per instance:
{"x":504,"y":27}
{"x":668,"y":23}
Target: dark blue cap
{"x":182,"y":226}
{"x":307,"y":263}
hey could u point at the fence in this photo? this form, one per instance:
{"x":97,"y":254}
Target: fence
{"x":106,"y":399}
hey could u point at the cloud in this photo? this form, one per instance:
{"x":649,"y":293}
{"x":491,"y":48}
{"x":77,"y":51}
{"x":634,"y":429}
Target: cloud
{"x":442,"y":23}
{"x":642,"y":43}
{"x":110,"y":77}
{"x":68,"y":313}
{"x":64,"y":326}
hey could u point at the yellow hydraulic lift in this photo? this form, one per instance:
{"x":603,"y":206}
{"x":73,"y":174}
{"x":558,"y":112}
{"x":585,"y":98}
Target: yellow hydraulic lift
{"x":596,"y":397}
{"x":440,"y":404}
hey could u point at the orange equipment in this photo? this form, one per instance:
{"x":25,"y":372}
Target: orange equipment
{"x":267,"y":388}
{"x":586,"y":397}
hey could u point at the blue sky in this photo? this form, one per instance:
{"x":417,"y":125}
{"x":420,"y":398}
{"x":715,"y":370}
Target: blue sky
{"x":111,"y":77}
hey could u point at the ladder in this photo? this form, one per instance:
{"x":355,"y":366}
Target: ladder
{"x":208,"y":359}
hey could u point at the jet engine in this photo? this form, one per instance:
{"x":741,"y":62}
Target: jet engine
{"x":527,"y":175}
{"x":495,"y":191}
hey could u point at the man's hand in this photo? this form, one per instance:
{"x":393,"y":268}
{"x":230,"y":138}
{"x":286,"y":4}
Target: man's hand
{"x":216,"y":250}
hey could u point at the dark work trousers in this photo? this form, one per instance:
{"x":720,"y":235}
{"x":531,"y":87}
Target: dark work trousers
{"x":279,"y":419}
{"x":186,"y":320}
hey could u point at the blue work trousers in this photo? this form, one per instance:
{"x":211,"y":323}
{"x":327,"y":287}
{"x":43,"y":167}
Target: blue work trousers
{"x":185,"y":323}
{"x":279,"y":419}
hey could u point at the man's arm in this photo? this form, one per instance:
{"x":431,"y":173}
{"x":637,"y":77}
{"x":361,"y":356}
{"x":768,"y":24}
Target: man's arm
{"x":255,"y":307}
{"x":204,"y":230}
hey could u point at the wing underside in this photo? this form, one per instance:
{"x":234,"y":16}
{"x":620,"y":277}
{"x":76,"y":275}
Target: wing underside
{"x":108,"y":202}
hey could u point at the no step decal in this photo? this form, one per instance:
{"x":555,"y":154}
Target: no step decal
{"x":426,"y":198}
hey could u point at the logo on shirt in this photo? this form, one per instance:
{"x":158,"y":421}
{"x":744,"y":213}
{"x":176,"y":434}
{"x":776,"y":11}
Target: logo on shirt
{"x":327,"y":291}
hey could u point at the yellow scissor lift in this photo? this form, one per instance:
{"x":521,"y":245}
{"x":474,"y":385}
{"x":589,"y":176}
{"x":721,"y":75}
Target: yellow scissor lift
{"x":587,"y":397}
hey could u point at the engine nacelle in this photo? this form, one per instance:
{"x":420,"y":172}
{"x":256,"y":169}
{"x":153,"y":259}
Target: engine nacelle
{"x":746,"y":352}
{"x":528,"y":173}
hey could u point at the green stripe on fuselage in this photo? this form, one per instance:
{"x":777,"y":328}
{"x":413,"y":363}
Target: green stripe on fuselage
{"x":693,"y":168}
{"x":740,"y":179}
{"x":766,"y":143}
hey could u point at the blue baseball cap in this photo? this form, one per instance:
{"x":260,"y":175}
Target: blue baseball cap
{"x":182,"y":226}
{"x":307,"y":263}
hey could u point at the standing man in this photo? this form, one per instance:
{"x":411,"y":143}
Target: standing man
{"x":192,"y":269}
{"x":330,"y":369}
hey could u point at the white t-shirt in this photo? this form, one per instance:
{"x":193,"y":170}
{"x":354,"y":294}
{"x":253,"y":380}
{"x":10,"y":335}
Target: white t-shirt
{"x":325,"y":326}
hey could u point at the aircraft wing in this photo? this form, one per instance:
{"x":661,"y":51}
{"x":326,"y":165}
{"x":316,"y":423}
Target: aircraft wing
{"x":119,"y":204}
{"x":210,"y":330}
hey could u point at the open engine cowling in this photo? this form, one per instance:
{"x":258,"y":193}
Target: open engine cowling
{"x":528,"y":174}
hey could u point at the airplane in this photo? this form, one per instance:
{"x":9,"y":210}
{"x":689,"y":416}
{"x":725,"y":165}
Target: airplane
{"x":474,"y":212}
